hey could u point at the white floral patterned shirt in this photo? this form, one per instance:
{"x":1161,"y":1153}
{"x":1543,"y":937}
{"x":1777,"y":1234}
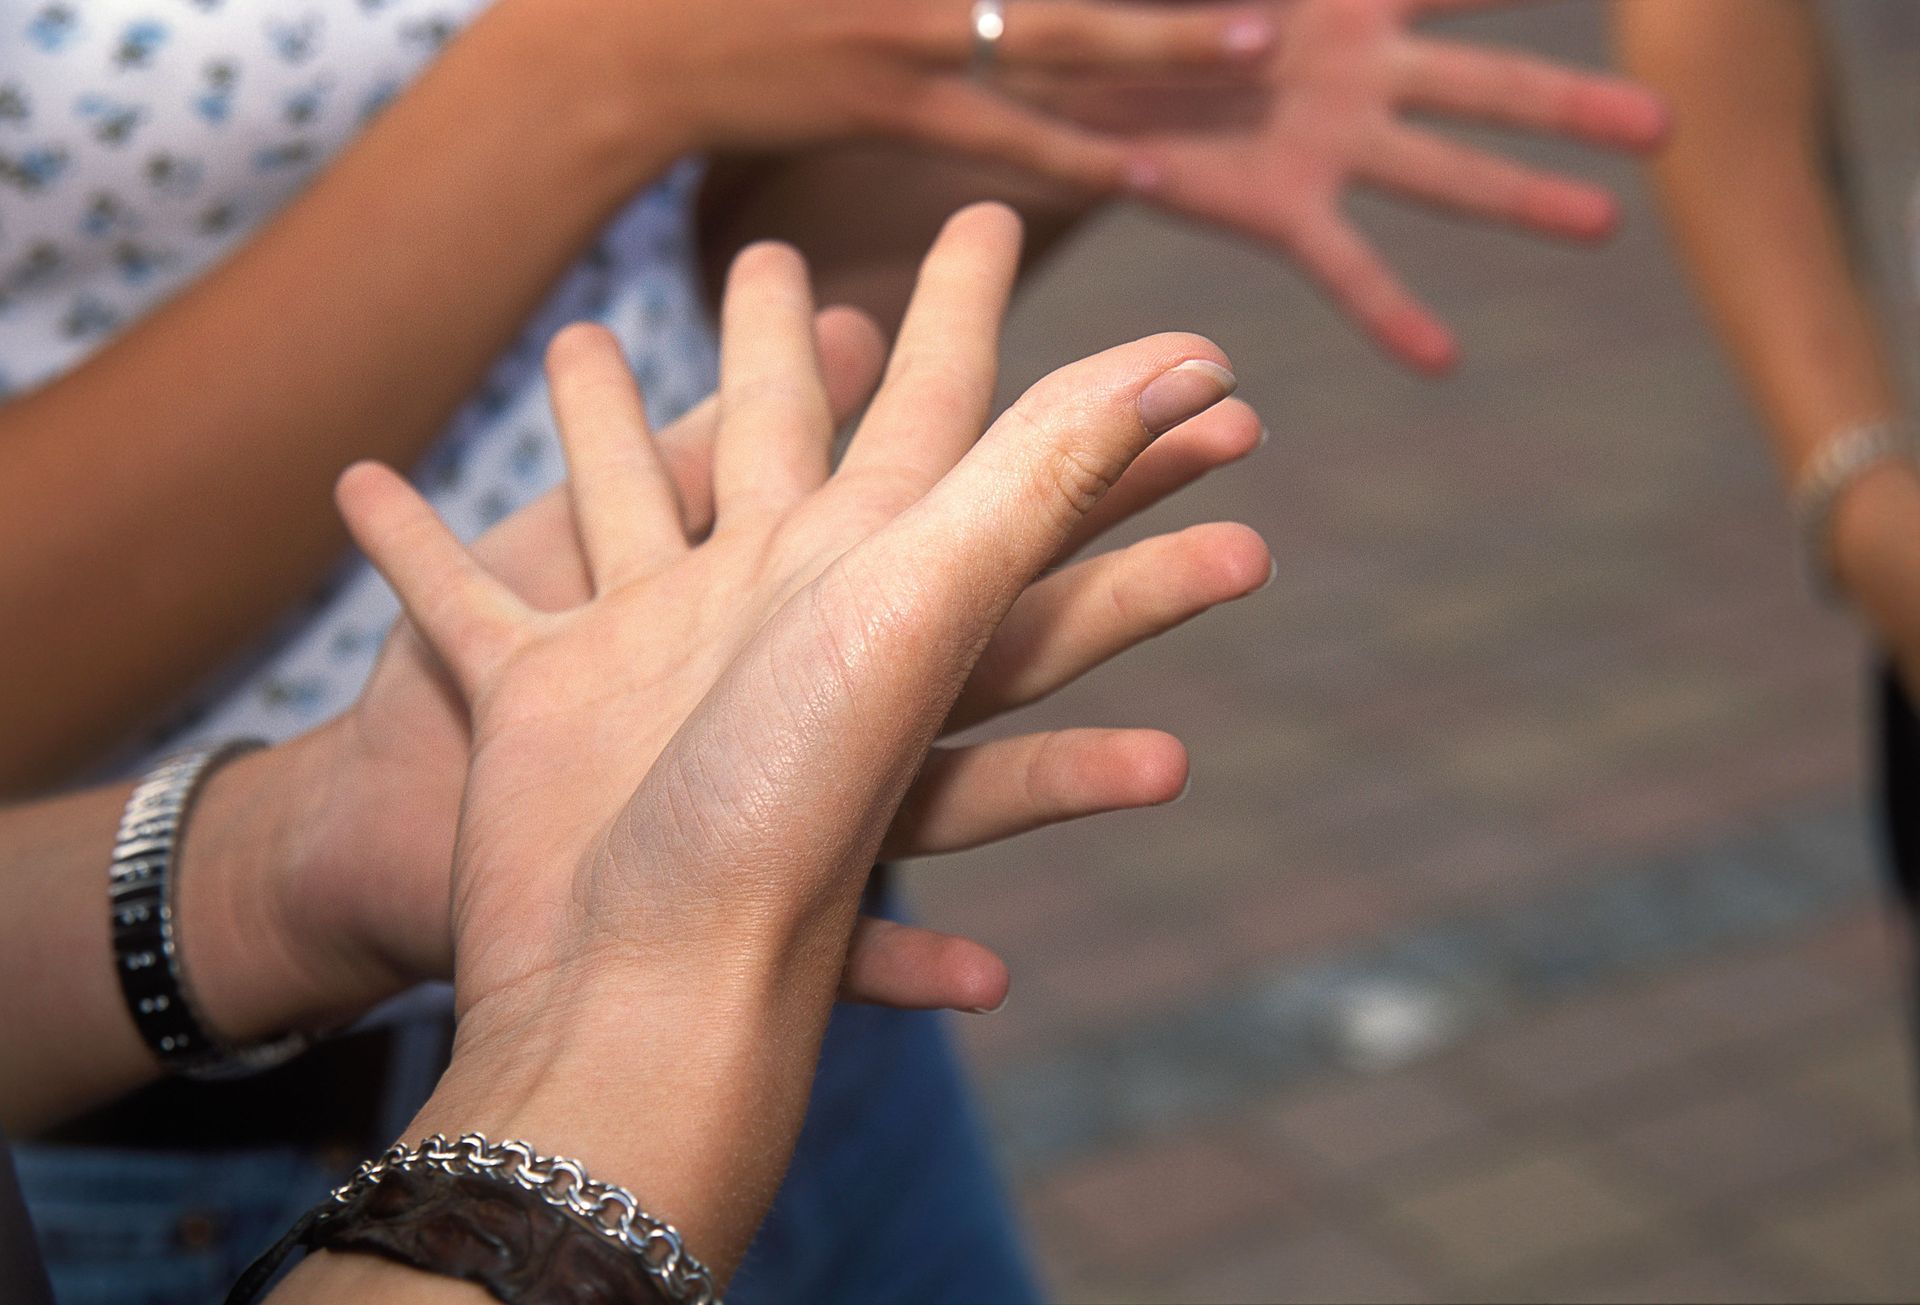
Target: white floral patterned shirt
{"x":141,"y":141}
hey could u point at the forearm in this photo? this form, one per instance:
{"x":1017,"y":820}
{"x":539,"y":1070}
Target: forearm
{"x":864,"y":214}
{"x":1746,"y":189}
{"x":685,"y":1085}
{"x":168,"y":498}
{"x":67,"y":1042}
{"x":65,"y":1028}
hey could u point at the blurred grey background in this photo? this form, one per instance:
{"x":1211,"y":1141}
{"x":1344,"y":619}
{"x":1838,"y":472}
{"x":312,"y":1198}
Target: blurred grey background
{"x":1520,"y":937}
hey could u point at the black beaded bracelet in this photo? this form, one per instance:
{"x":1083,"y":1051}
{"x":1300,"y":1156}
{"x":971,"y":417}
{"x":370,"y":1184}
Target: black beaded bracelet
{"x":146,"y":951}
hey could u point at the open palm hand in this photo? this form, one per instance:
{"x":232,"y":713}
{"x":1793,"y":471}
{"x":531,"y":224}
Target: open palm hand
{"x":571,"y":708}
{"x":1276,"y":161}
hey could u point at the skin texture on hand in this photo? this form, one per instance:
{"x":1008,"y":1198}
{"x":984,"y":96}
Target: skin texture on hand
{"x":668,"y":910}
{"x":386,"y":804}
{"x":313,"y":881}
{"x":1332,"y":112}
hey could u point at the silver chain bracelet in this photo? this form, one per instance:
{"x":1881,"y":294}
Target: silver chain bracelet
{"x":613,"y":1212}
{"x":1838,"y":461}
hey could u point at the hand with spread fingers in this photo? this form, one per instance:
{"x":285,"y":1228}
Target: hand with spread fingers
{"x":1331,"y":112}
{"x":781,"y":73}
{"x":386,"y":781}
{"x":676,"y":786}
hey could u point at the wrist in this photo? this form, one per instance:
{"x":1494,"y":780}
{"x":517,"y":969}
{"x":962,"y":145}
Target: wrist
{"x":622,"y":103}
{"x":257,"y":965}
{"x":1875,"y":523}
{"x":685,"y":1085}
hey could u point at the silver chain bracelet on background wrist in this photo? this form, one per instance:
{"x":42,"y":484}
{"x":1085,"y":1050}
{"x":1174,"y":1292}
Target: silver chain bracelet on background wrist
{"x":1840,"y":460}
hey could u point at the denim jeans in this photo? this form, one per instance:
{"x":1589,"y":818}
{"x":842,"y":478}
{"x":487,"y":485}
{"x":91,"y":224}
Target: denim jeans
{"x":160,"y":1228}
{"x":891,"y":1196}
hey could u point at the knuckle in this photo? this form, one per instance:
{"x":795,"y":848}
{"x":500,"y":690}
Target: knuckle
{"x":781,"y":412}
{"x":1121,"y":597}
{"x":1076,"y":477}
{"x":1040,"y":777}
{"x":940,"y":382}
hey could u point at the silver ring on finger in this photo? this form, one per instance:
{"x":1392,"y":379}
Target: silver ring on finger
{"x":989,"y":22}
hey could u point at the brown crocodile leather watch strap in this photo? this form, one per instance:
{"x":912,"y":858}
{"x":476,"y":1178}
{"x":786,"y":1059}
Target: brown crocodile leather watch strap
{"x":500,"y":1236}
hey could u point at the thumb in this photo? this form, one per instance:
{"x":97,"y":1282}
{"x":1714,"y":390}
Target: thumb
{"x":1001,"y":516}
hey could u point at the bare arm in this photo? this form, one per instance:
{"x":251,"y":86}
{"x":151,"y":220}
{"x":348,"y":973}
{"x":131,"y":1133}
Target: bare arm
{"x":1746,"y":189}
{"x":1744,"y":183}
{"x":67,"y":1043}
{"x":166,"y":499}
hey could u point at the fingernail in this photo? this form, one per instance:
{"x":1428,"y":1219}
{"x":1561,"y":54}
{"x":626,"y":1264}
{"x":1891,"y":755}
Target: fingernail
{"x":1265,"y":435}
{"x":990,"y":1010}
{"x":1247,"y":37}
{"x":1273,"y":571}
{"x":1186,"y":391}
